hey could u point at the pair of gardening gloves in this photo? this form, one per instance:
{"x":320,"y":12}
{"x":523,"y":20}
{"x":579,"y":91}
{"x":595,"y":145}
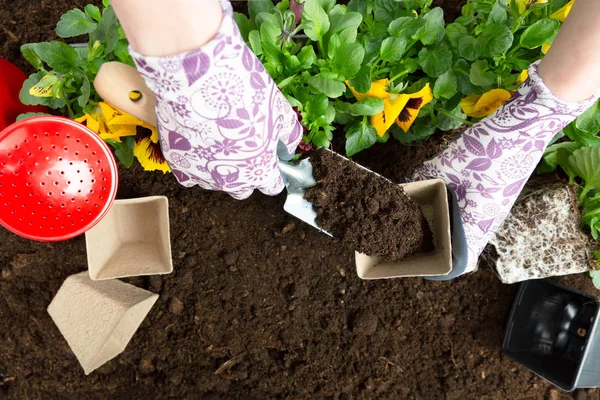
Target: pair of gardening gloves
{"x":221,"y":118}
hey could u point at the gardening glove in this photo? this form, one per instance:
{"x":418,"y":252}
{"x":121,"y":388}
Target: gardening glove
{"x":488,"y":165}
{"x":220,"y":115}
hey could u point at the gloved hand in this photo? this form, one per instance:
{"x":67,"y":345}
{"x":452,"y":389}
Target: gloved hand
{"x":220,"y":115}
{"x":488,"y":165}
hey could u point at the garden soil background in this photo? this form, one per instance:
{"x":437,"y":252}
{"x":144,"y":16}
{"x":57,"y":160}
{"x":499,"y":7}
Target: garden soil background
{"x":260,"y":305}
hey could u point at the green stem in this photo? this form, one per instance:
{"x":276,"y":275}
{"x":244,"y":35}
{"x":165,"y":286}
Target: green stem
{"x":447,"y":114}
{"x":322,"y":48}
{"x":399,"y":75}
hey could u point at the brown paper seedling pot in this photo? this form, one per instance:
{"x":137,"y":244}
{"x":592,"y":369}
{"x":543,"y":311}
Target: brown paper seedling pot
{"x":432,"y":196}
{"x":98,"y":318}
{"x":131,"y":240}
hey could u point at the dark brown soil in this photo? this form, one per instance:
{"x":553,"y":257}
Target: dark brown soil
{"x":366,"y":212}
{"x":260,"y":305}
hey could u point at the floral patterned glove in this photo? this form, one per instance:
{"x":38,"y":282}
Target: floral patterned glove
{"x":220,"y":115}
{"x":488,"y":165}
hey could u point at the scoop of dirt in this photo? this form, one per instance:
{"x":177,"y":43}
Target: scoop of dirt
{"x":366,"y":212}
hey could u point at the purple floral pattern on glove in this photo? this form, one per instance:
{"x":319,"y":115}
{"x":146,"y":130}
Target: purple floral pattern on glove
{"x":220,"y":115}
{"x":488,"y":165}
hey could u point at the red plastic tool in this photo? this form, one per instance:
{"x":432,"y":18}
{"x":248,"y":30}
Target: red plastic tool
{"x":57,"y":178}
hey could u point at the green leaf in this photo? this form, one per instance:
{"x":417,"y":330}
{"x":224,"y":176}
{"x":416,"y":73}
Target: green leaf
{"x":499,"y":39}
{"x":582,"y":138}
{"x":29,"y":52}
{"x":585,"y":163}
{"x":83,"y":99}
{"x":392,"y":49}
{"x":74,"y":23}
{"x":314,"y":20}
{"x":362,"y":81}
{"x":469,"y":48}
{"x":245,"y":25}
{"x":387,"y":10}
{"x":107,"y":32}
{"x":329,"y":87}
{"x":368,"y":106}
{"x":420,"y":130}
{"x":538,"y":33}
{"x":323,"y":136}
{"x":270,"y":49}
{"x":28,"y":99}
{"x":122,"y":53}
{"x":436,"y":60}
{"x":498,"y":13}
{"x":403,"y":27}
{"x":59,"y":56}
{"x":550,"y":160}
{"x":30,"y":115}
{"x":445,"y":86}
{"x":255,"y":43}
{"x":446,"y":123}
{"x":334,"y":43}
{"x":462,"y":70}
{"x":480,"y":75}
{"x":362,"y":7}
{"x":348,"y":59}
{"x":327,"y":5}
{"x":307,"y":57}
{"x":434,"y":25}
{"x":93,"y":12}
{"x":124,"y":150}
{"x":257,"y":6}
{"x":454,"y":32}
{"x":589,"y":121}
{"x":360,"y":136}
{"x":344,"y":21}
{"x":595,"y":275}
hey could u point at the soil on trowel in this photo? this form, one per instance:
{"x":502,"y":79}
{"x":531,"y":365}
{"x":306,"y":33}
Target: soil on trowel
{"x":365,"y":211}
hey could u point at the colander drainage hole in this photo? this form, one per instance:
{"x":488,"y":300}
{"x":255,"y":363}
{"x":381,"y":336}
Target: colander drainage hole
{"x":86,"y":201}
{"x":43,"y":183}
{"x":50,"y":193}
{"x":71,"y":163}
{"x":60,"y":158}
{"x":65,"y":148}
{"x":63,"y":192}
{"x":76,"y":153}
{"x":29,"y":154}
{"x":56,"y":183}
{"x":63,"y":205}
{"x":78,"y":208}
{"x":16,"y":146}
{"x":93,"y":181}
{"x":62,"y":172}
{"x":69,"y":215}
{"x":81,"y":219}
{"x":8,"y":154}
{"x":29,"y":173}
{"x":46,"y":134}
{"x":26,"y":140}
{"x":53,"y":146}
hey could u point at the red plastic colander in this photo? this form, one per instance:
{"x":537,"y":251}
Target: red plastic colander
{"x":57,"y":178}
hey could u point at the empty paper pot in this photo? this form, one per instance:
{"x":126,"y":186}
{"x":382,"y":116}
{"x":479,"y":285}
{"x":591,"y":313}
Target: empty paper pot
{"x":98,"y":318}
{"x":131,"y":240}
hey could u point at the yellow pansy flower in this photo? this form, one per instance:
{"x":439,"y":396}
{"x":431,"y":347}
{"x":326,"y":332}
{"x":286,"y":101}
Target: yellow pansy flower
{"x":480,"y":106}
{"x":413,"y":105}
{"x":525,"y":4}
{"x":110,"y":123}
{"x":562,"y":13}
{"x":545,"y":47}
{"x":400,"y":108}
{"x":522,"y":77}
{"x":378,"y":89}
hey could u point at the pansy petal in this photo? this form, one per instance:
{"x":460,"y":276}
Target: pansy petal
{"x":411,"y":110}
{"x":522,"y":77}
{"x":392,"y":107}
{"x":378,"y":90}
{"x":562,"y":13}
{"x":486,"y":104}
{"x":150,"y":156}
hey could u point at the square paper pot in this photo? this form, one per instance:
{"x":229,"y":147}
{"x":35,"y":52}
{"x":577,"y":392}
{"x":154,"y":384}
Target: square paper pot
{"x":432,"y":196}
{"x":98,"y":318}
{"x":553,"y":331}
{"x":131,"y":240}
